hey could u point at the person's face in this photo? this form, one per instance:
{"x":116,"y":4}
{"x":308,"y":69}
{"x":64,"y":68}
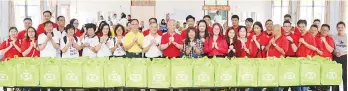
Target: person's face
{"x":134,"y":25}
{"x":47,"y":16}
{"x":106,"y":30}
{"x":90,"y":32}
{"x":231,"y":33}
{"x":119,"y":31}
{"x":287,"y":27}
{"x":190,"y":22}
{"x":235,"y":21}
{"x":154,"y":28}
{"x":313,"y":30}
{"x":208,"y":20}
{"x":340,"y":29}
{"x":115,"y":16}
{"x":49,"y":27}
{"x":302,"y":27}
{"x":171,"y":26}
{"x":257,"y":28}
{"x":71,"y":31}
{"x":31,"y":33}
{"x":248,"y":24}
{"x":216,"y":30}
{"x":76,"y":23}
{"x":152,"y":21}
{"x":27,"y":23}
{"x":129,"y":17}
{"x":276,"y":30}
{"x":191,"y":34}
{"x":242,"y":33}
{"x":13,"y":33}
{"x":185,"y":25}
{"x":317,"y":23}
{"x":142,"y":23}
{"x":61,"y":21}
{"x":324,"y":31}
{"x":201,"y":27}
{"x":287,"y":18}
{"x":269,"y":25}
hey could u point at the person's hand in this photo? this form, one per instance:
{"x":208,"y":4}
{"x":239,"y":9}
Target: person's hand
{"x":272,"y":41}
{"x":86,"y":44}
{"x":254,"y":37}
{"x":49,"y":36}
{"x":192,"y":44}
{"x":289,"y":38}
{"x":301,"y":40}
{"x":202,"y":39}
{"x":33,"y":44}
{"x":171,"y":39}
{"x":322,"y":39}
{"x":246,"y":50}
{"x":135,"y":40}
{"x":118,"y":42}
{"x":231,"y":47}
{"x":319,"y":52}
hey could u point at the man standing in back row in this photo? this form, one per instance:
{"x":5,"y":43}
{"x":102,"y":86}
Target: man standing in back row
{"x":46,"y":17}
{"x":340,"y":52}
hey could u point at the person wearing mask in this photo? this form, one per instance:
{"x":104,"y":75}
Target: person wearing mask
{"x":190,"y":20}
{"x":340,"y":51}
{"x":48,"y":42}
{"x":89,"y":41}
{"x":218,"y":17}
{"x":46,"y":17}
{"x":278,"y":45}
{"x":105,"y":44}
{"x":314,"y":30}
{"x":151,"y":43}
{"x":242,"y":43}
{"x":324,"y":42}
{"x":216,"y":44}
{"x":117,"y":49}
{"x":12,"y":46}
{"x":248,"y":23}
{"x":193,"y":46}
{"x":306,"y":46}
{"x":207,"y":19}
{"x":171,"y":42}
{"x":27,"y":23}
{"x":231,"y":41}
{"x":203,"y":30}
{"x":29,"y":46}
{"x":70,"y":44}
{"x":147,"y":31}
{"x":134,"y":41}
{"x":292,"y":38}
{"x":258,"y":42}
{"x":123,"y":21}
{"x":235,"y":24}
{"x":317,"y":22}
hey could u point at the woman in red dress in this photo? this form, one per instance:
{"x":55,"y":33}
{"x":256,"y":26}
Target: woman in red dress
{"x":242,"y":43}
{"x":29,"y":44}
{"x":216,"y":44}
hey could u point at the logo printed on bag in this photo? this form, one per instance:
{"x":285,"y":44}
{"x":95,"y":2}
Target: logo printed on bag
{"x":114,"y":76}
{"x":289,"y":76}
{"x":247,"y":77}
{"x":181,"y":76}
{"x":203,"y":77}
{"x":311,"y":75}
{"x":226,"y":77}
{"x":331,"y":75}
{"x":92,"y":77}
{"x":71,"y":76}
{"x":158,"y":77}
{"x":3,"y":77}
{"x":49,"y":76}
{"x":268,"y":77}
{"x":26,"y":75}
{"x":135,"y":77}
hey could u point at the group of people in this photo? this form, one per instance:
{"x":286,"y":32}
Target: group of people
{"x":254,"y":40}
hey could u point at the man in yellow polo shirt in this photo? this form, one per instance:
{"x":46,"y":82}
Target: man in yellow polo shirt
{"x":134,"y":40}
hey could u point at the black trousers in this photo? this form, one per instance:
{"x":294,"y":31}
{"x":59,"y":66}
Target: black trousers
{"x":342,"y":60}
{"x":133,"y":55}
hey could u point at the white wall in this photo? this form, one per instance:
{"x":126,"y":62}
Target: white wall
{"x":179,"y":9}
{"x":4,"y":19}
{"x":334,"y":11}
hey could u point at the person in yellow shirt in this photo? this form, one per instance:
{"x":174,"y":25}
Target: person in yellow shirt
{"x":134,"y":40}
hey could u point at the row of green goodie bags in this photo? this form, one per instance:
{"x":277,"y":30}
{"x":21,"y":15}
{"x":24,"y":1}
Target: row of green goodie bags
{"x":165,"y":73}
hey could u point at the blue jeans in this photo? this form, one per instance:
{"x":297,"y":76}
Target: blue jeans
{"x":302,"y":88}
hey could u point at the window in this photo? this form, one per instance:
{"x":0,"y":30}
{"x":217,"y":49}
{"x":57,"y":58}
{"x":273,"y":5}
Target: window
{"x":312,"y":9}
{"x":222,"y":18}
{"x":280,"y":8}
{"x":27,"y":9}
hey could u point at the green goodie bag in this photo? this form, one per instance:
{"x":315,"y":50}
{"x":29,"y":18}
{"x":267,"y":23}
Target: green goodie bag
{"x":92,"y":74}
{"x":7,"y":75}
{"x":225,"y":73}
{"x":331,"y":73}
{"x":27,"y":74}
{"x":136,"y":73}
{"x":159,"y":73}
{"x":289,"y":73}
{"x":182,"y":70}
{"x":203,"y":73}
{"x":268,"y":74}
{"x":115,"y":72}
{"x":71,"y":73}
{"x":50,"y":74}
{"x":310,"y":73}
{"x":247,"y":74}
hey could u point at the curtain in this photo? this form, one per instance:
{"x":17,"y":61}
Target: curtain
{"x":327,"y":12}
{"x":11,"y":16}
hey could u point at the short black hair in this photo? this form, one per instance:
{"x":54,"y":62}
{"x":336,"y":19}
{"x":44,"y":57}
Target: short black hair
{"x":190,"y":17}
{"x":235,"y":16}
{"x":27,"y":19}
{"x":127,"y":23}
{"x":249,"y":19}
{"x":257,"y":23}
{"x":90,"y":25}
{"x":47,"y":12}
{"x":268,"y":21}
{"x":287,"y":15}
{"x":341,"y":22}
{"x":316,"y":26}
{"x":301,"y":22}
{"x":207,"y":16}
{"x":153,"y":19}
{"x":72,"y":21}
{"x":69,"y":26}
{"x":119,"y":26}
{"x":325,"y":25}
{"x":184,"y":23}
{"x":287,"y":21}
{"x":134,"y":20}
{"x":316,"y":20}
{"x":123,"y":15}
{"x":60,"y":17}
{"x":47,"y":22}
{"x":129,"y":15}
{"x":15,"y":28}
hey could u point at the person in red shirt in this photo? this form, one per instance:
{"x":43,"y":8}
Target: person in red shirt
{"x":216,"y":44}
{"x":248,"y":23}
{"x":47,"y":16}
{"x":190,"y":20}
{"x":314,"y":30}
{"x":287,"y":17}
{"x":100,"y":29}
{"x":235,"y":24}
{"x":76,"y":23}
{"x":27,"y":23}
{"x":207,"y":19}
{"x":306,"y":46}
{"x":147,"y":31}
{"x":324,"y":42}
{"x":258,"y":42}
{"x":29,"y":46}
{"x":231,"y":39}
{"x":12,"y":46}
{"x":292,"y":38}
{"x":171,"y":42}
{"x":202,"y":30}
{"x":278,"y":45}
{"x":268,"y":25}
{"x":242,"y":43}
{"x":317,"y":22}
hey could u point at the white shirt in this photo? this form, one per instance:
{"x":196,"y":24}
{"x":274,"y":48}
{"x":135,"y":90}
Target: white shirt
{"x":115,"y":21}
{"x":119,"y":50}
{"x":71,"y":52}
{"x":123,"y":22}
{"x":49,"y":50}
{"x":105,"y":49}
{"x":218,"y":19}
{"x":59,"y":35}
{"x":153,"y":51}
{"x":92,"y":43}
